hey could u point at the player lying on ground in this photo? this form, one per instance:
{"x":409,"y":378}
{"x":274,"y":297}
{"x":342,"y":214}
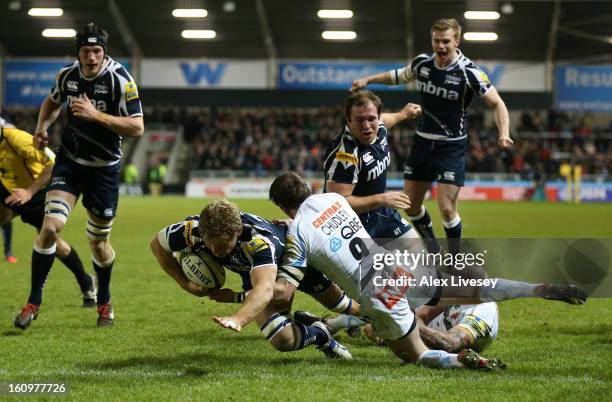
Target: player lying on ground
{"x":451,"y":328}
{"x":250,"y":246}
{"x":387,"y":308}
{"x":24,"y":174}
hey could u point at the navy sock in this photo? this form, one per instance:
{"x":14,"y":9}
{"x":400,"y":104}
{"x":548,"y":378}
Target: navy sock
{"x":311,"y":335}
{"x":41,"y":265}
{"x":104,"y":276}
{"x":73,"y":262}
{"x":422,"y":224}
{"x":453,"y":234}
{"x":7,"y":231}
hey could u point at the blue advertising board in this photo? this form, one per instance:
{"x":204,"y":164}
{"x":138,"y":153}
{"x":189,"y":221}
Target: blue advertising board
{"x":584,"y":88}
{"x":28,"y":82}
{"x":330,"y":75}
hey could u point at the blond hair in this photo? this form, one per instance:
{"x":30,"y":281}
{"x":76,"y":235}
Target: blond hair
{"x":447,"y":23}
{"x":220,"y":218}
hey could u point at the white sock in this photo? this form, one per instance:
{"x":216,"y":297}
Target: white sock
{"x":343,"y":321}
{"x":506,"y":290}
{"x":439,"y":359}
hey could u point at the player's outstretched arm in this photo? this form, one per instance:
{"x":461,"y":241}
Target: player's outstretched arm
{"x":259,"y":297}
{"x":502,"y":119}
{"x":124,"y":126}
{"x":409,"y":112}
{"x":171,"y":266}
{"x":380,"y":78}
{"x":49,"y":111}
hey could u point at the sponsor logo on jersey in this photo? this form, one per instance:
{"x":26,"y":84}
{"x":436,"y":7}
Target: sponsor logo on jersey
{"x":346,"y":157}
{"x":351,"y":228}
{"x":99,"y":105}
{"x":424,"y":72}
{"x":335,"y":244}
{"x":100,"y":89}
{"x":255,"y":246}
{"x":327,"y":214}
{"x":448,"y":175}
{"x":131,"y":92}
{"x":72,"y":85}
{"x":381,"y":166}
{"x":367,"y":158}
{"x":484,"y":78}
{"x":452,"y":80}
{"x":430,"y":88}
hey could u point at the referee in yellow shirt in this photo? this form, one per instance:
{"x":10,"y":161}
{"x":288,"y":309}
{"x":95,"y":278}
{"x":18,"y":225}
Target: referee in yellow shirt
{"x":24,"y":173}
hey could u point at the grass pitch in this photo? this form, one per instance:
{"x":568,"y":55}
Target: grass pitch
{"x":164,"y":345}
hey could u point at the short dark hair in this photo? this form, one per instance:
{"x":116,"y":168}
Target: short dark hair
{"x":91,"y":35}
{"x":289,"y":191}
{"x":361,"y":98}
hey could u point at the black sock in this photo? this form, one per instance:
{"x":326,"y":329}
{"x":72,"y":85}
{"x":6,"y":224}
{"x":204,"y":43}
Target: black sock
{"x":453,"y":234}
{"x":73,"y":262}
{"x":104,"y":277}
{"x":422,"y":224}
{"x":311,"y":335}
{"x":7,"y":231}
{"x":41,"y":265}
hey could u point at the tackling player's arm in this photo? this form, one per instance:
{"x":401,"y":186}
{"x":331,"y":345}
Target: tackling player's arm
{"x":49,"y":111}
{"x":452,"y":341}
{"x":409,"y":112}
{"x":502,"y":119}
{"x":122,"y":125}
{"x":172,"y":267}
{"x":262,"y":278}
{"x":392,"y":199}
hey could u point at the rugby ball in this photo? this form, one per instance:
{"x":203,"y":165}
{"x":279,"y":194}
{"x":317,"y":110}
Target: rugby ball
{"x":202,"y":270}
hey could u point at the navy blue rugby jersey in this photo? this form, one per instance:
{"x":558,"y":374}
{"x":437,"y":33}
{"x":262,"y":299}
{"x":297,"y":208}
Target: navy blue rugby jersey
{"x":112,"y":91}
{"x":365,"y":166}
{"x":260,"y":243}
{"x":446,"y":93}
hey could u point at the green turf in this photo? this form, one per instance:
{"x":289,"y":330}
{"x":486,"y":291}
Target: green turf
{"x":164,"y":345}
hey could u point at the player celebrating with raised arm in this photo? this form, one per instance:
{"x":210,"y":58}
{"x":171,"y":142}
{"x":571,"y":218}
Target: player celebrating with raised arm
{"x":343,"y":260}
{"x":103,"y":106}
{"x":447,"y":82}
{"x":356,"y":165}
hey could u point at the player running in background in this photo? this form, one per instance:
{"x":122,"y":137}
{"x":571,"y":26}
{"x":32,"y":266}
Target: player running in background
{"x":103,"y":105}
{"x":252,"y":247}
{"x":387,"y":307}
{"x":447,"y":82}
{"x":24,"y":174}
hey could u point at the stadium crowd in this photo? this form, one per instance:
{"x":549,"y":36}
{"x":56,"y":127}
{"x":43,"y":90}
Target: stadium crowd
{"x":261,"y":139}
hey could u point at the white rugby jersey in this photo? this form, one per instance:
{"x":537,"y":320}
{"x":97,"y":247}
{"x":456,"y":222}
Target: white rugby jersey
{"x":327,"y":234}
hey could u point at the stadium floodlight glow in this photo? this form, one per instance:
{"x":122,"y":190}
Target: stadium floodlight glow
{"x":339,"y":35}
{"x":481,"y":15}
{"x":480,"y":36}
{"x":45,"y":12}
{"x":189,"y":13}
{"x":58,"y":33}
{"x":335,"y":14}
{"x":198,"y":34}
